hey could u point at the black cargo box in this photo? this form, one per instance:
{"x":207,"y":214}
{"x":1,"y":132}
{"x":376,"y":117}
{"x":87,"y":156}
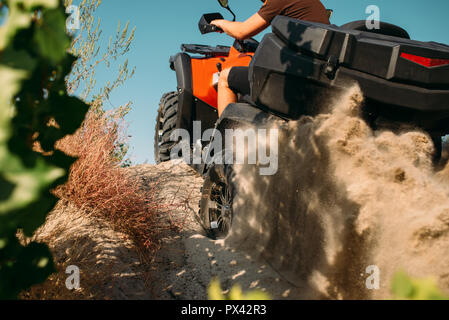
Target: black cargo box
{"x":303,"y":62}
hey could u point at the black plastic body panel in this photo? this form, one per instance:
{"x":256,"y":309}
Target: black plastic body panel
{"x":181,"y":63}
{"x":190,"y":108}
{"x":205,"y":113}
{"x":245,"y":46}
{"x":399,"y":94}
{"x":372,"y":53}
{"x":208,"y":51}
{"x":245,"y":114}
{"x":303,"y":65}
{"x":240,"y":115}
{"x":287,"y":83}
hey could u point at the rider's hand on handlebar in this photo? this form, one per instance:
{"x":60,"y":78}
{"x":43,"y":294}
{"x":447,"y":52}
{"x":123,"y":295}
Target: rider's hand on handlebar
{"x":218,"y":24}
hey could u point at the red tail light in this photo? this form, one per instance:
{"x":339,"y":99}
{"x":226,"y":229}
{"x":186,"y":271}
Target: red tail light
{"x":426,"y":62}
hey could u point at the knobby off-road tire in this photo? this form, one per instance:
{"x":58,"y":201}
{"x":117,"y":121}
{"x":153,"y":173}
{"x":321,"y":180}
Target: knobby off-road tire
{"x":216,"y":204}
{"x":165,"y":125}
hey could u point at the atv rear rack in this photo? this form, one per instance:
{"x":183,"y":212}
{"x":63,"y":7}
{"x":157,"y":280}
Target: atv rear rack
{"x":208,"y":51}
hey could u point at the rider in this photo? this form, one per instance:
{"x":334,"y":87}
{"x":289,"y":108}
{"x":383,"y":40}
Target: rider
{"x":235,"y":80}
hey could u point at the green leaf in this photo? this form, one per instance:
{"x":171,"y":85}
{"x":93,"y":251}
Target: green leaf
{"x":30,"y":54}
{"x":236,"y":293}
{"x":50,"y":36}
{"x":214,"y":290}
{"x":69,"y":112}
{"x":404,"y":287}
{"x":401,"y":285}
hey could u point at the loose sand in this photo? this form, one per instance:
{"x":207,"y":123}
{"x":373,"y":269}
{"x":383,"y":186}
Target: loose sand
{"x":344,"y":198}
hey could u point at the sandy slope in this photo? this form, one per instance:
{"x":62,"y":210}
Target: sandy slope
{"x":188,"y":260}
{"x":186,"y":263}
{"x":345,"y":198}
{"x":110,"y":267}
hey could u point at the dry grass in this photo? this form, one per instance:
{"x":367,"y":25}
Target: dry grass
{"x":97,"y":183}
{"x":105,"y":219}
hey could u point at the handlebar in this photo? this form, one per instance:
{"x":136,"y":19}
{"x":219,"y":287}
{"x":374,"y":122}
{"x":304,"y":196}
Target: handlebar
{"x":206,"y":27}
{"x":214,"y":28}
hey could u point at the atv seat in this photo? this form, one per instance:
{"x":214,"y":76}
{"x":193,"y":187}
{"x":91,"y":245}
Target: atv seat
{"x":384,"y":28}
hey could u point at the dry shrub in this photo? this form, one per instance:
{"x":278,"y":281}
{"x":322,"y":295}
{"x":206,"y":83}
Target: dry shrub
{"x":108,"y":222}
{"x":99,"y":184}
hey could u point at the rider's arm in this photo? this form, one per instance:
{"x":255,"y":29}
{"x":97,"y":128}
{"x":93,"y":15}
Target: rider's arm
{"x":243,"y":30}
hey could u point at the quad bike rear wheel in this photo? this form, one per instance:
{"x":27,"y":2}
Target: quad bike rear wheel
{"x":216,"y":204}
{"x":165,"y":125}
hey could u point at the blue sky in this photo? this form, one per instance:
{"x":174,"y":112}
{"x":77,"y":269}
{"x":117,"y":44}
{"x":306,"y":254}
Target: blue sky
{"x":162,"y":26}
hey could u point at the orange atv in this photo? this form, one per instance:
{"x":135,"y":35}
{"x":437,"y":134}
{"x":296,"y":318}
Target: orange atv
{"x":298,"y":66}
{"x":197,"y":77}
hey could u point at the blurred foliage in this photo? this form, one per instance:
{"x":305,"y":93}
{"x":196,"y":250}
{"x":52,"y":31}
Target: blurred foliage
{"x":236,"y":293}
{"x":35,"y":109}
{"x":406,"y":288}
